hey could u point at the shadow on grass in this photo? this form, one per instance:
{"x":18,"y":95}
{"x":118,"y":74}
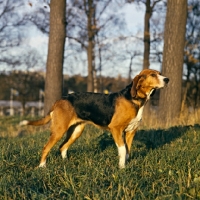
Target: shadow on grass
{"x":151,"y":138}
{"x":156,"y":138}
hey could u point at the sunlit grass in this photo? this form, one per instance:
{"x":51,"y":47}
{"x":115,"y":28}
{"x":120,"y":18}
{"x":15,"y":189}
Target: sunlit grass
{"x":164,"y":164}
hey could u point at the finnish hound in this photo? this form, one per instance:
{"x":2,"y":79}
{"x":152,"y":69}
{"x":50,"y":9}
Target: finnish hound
{"x":119,"y":112}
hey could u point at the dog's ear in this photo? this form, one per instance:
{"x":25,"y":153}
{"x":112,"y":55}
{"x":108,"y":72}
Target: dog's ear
{"x":134,"y":86}
{"x":137,"y":82}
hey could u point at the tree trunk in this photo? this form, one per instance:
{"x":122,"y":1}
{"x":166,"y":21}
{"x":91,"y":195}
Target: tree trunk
{"x":147,"y":17}
{"x":147,"y":42}
{"x":54,"y":71}
{"x":174,"y":41}
{"x":90,"y":78}
{"x":90,"y":48}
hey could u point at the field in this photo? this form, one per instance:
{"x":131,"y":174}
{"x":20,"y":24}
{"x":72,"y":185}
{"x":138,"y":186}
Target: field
{"x":164,"y":164}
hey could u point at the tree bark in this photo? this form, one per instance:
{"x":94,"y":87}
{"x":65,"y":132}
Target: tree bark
{"x":174,"y":42}
{"x":54,"y":71}
{"x":90,"y":48}
{"x":147,"y":17}
{"x":90,"y":78}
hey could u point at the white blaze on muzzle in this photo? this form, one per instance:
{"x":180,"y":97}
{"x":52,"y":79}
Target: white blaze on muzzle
{"x":162,"y":82}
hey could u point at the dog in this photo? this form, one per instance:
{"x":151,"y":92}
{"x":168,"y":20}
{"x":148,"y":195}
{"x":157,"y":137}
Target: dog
{"x":120,"y":113}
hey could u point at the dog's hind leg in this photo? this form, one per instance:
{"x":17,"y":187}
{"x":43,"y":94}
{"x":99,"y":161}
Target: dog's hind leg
{"x":68,"y":135}
{"x":62,"y":117}
{"x":54,"y":138}
{"x":73,"y":133}
{"x":58,"y":128}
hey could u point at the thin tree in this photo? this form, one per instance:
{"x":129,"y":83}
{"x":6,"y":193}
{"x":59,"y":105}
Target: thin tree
{"x":54,"y":70}
{"x":147,"y":36}
{"x":149,"y":10}
{"x":90,"y":12}
{"x":90,"y":22}
{"x":174,"y":42}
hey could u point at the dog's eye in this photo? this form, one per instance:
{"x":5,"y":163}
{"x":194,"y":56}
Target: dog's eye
{"x":153,"y":75}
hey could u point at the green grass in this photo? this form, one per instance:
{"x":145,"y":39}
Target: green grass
{"x":164,"y":164}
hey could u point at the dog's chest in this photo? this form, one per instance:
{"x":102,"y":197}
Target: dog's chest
{"x":134,"y":123}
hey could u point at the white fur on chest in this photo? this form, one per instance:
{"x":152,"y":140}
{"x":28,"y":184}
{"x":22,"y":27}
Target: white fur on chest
{"x":135,"y":122}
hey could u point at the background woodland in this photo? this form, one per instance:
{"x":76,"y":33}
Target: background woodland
{"x":93,"y":35}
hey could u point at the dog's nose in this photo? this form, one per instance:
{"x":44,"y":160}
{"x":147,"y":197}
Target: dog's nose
{"x":166,"y":80}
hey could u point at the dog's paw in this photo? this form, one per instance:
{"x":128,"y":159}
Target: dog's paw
{"x":42,"y":165}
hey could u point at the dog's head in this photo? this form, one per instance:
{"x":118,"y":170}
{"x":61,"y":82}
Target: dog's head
{"x":145,"y":83}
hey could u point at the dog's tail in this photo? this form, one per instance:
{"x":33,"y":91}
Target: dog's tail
{"x":39,"y":122}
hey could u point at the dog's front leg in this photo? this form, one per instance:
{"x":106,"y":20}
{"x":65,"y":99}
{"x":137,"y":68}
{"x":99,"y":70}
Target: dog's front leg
{"x":128,"y":138}
{"x":122,"y":156}
{"x":119,"y":141}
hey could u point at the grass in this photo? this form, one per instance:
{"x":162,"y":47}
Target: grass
{"x":164,"y":164}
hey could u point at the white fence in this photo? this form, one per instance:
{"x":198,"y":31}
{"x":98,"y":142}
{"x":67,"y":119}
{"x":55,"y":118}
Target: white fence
{"x":32,"y":108}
